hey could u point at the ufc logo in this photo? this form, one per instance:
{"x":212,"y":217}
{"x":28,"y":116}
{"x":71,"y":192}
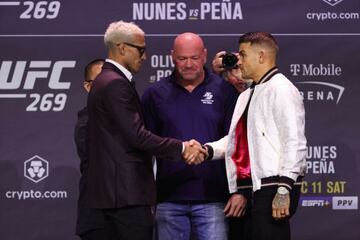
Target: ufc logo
{"x":33,"y":70}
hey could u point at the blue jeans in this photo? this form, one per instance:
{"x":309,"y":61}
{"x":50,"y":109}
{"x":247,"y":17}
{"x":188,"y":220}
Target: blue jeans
{"x":201,"y":221}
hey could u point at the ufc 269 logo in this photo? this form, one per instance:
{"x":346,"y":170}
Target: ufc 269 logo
{"x":40,"y":10}
{"x":25,"y":75}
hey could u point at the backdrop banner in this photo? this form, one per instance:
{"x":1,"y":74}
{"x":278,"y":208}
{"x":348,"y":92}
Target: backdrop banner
{"x":45,"y":45}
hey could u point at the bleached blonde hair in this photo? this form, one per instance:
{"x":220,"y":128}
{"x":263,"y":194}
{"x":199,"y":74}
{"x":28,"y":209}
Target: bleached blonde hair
{"x":118,"y":32}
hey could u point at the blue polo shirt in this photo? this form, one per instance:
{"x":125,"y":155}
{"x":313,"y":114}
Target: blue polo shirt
{"x":205,"y":115}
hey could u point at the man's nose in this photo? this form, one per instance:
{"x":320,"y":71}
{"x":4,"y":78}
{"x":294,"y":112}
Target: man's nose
{"x":188,"y":62}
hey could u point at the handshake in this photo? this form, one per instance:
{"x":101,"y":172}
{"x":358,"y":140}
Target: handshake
{"x":194,"y":153}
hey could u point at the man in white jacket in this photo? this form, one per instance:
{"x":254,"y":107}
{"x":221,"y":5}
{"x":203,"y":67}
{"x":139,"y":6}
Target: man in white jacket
{"x":265,"y":148}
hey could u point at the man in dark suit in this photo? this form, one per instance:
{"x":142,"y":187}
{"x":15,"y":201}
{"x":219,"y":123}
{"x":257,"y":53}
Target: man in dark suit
{"x":121,"y":180}
{"x":90,"y":222}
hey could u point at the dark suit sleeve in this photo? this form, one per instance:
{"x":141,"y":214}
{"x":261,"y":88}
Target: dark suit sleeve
{"x":122,"y":102}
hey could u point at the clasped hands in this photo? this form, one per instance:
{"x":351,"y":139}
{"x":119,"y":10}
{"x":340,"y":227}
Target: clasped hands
{"x":194,"y":153}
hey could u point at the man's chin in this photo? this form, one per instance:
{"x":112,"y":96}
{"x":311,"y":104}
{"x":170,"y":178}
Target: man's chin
{"x":244,"y":77}
{"x":136,"y":69}
{"x":189,"y":77}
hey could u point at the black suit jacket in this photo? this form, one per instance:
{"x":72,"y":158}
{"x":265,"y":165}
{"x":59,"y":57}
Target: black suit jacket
{"x":120,"y":148}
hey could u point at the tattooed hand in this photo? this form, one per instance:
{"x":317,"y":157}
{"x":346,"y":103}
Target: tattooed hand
{"x":280,"y":206}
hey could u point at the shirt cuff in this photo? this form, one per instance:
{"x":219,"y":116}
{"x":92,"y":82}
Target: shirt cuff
{"x":210,"y":151}
{"x":286,"y":182}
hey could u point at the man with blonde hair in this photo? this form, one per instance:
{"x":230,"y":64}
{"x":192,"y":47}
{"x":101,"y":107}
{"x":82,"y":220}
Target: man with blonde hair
{"x":120,"y":149}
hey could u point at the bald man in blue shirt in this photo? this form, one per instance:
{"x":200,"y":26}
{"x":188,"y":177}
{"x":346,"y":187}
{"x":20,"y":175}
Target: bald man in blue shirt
{"x":191,"y":103}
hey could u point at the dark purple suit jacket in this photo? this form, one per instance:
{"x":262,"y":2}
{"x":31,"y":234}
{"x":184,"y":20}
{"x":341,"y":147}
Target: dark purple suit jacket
{"x":120,"y":148}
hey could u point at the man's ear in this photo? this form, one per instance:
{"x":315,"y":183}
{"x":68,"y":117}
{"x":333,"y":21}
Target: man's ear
{"x":172,"y":55}
{"x":121,"y":48}
{"x":87,"y":86}
{"x":261,"y":56}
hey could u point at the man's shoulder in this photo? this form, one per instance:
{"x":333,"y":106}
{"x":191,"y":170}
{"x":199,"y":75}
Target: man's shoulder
{"x":280,"y":81}
{"x":109,"y":77}
{"x":160,"y":87}
{"x":280,"y":85}
{"x":213,"y":78}
{"x":279,"y":78}
{"x":210,"y":74}
{"x":110,"y":74}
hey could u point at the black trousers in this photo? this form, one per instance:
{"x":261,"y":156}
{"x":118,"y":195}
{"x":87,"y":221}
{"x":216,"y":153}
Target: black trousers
{"x":129,"y":223}
{"x":240,"y":228}
{"x":265,"y":227}
{"x":258,"y":223}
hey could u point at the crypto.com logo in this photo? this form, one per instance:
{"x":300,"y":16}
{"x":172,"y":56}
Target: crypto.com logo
{"x":332,"y":2}
{"x":36,"y":169}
